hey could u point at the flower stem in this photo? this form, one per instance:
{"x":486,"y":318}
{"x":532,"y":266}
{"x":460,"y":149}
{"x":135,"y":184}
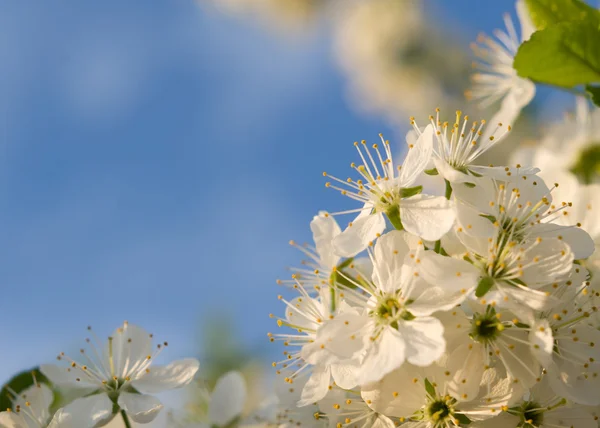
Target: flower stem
{"x":125,"y":419}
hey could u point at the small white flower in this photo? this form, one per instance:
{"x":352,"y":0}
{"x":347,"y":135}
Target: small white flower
{"x":521,"y":208}
{"x":304,"y":352}
{"x":497,"y":79}
{"x":421,"y":397}
{"x":394,"y":321}
{"x":348,"y":409}
{"x":487,"y":338}
{"x":389,"y":191}
{"x":121,"y":371}
{"x":31,"y":409}
{"x":322,"y":260}
{"x":542,"y":409}
{"x":457,"y":146}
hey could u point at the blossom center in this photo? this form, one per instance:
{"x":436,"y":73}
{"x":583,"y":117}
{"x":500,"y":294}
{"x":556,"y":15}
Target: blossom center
{"x":532,"y":415}
{"x":391,"y":309}
{"x":485,"y":328}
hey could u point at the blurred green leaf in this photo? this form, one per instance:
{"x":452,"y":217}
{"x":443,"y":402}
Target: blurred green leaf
{"x":594,"y":91}
{"x":547,"y":12}
{"x":18,"y":384}
{"x":566,"y":55}
{"x":587,"y":167}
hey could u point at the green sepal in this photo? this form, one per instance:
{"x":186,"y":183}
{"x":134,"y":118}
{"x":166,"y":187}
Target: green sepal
{"x":484,"y":286}
{"x":463,"y":419}
{"x":341,"y":280}
{"x":430,"y":388}
{"x":407,"y":192}
{"x":489,"y":217}
{"x":393,"y":215}
{"x":469,"y":185}
{"x":475,"y":174}
{"x":432,"y":171}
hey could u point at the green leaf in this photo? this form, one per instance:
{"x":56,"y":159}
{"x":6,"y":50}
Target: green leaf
{"x":484,"y":286}
{"x":594,"y":92}
{"x":547,"y":12}
{"x":18,"y":384}
{"x":566,"y":54}
{"x":429,"y":388}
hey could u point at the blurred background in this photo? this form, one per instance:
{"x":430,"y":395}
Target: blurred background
{"x":156,"y":157}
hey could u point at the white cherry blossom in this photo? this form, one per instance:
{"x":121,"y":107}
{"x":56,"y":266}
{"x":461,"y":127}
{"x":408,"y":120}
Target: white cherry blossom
{"x":122,"y":370}
{"x":496,"y":79}
{"x":394,"y":323}
{"x":457,"y":146}
{"x":385,"y":190}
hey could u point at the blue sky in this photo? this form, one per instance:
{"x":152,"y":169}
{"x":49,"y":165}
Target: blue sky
{"x":155,"y":159}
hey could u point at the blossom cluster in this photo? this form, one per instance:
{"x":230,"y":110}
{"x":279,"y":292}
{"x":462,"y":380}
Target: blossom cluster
{"x":459,"y":294}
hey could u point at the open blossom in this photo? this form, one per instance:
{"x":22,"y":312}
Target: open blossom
{"x":458,"y":145}
{"x":393,"y":322}
{"x":122,"y":372}
{"x":389,"y":191}
{"x":349,"y":409}
{"x":522,"y":208}
{"x":486,"y":337}
{"x":31,"y":409}
{"x":304,"y":357}
{"x":421,"y":398}
{"x":541,"y":408}
{"x":497,"y":79}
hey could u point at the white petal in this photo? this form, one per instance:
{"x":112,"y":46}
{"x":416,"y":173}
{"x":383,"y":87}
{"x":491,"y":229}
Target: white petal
{"x":429,"y":217}
{"x":130,"y":345}
{"x":343,"y":336}
{"x":424,"y":337}
{"x":396,"y":394}
{"x":344,"y":374}
{"x":12,"y":420}
{"x":38,"y":398}
{"x":417,"y":158}
{"x":575,"y":417}
{"x":317,"y":386}
{"x":580,"y":242}
{"x":527,"y":26}
{"x":140,"y":408}
{"x":542,"y":342}
{"x":228,"y":398}
{"x":390,"y":251}
{"x":357,"y":237}
{"x":93,"y":411}
{"x":66,"y":376}
{"x":451,"y":274}
{"x":385,"y":355}
{"x":324,"y":229}
{"x":466,"y":366}
{"x":162,"y":378}
{"x":450,"y":173}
